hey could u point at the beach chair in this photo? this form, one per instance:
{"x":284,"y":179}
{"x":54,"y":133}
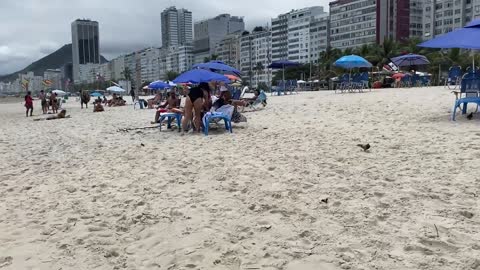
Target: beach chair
{"x":223,"y":113}
{"x":170,"y":117}
{"x":415,"y":80}
{"x":454,"y":77}
{"x":406,"y":81}
{"x":343,"y":83}
{"x":469,"y":93}
{"x":261,"y":100}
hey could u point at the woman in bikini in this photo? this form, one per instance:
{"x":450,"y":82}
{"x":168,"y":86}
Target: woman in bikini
{"x":196,"y":99}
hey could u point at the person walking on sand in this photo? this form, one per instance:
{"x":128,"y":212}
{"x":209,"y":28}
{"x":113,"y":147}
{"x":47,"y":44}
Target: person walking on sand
{"x":43,"y":99}
{"x":132,"y":93}
{"x":29,"y":103}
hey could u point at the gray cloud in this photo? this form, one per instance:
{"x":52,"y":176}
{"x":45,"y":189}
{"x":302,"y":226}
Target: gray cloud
{"x":32,"y":29}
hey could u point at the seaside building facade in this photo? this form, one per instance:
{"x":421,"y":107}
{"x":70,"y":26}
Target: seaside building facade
{"x":209,"y":32}
{"x":255,"y":56}
{"x":300,"y":35}
{"x":443,"y":16}
{"x":85,"y":49}
{"x":53,"y":78}
{"x":228,"y":50}
{"x":177,"y":28}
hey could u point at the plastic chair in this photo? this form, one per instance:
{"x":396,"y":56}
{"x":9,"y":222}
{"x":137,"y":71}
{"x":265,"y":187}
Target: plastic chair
{"x":261,"y":99}
{"x":209,"y":116}
{"x":470,"y":87}
{"x":170,"y":117}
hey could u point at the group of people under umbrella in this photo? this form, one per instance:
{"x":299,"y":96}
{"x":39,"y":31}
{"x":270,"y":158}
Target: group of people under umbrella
{"x":200,"y":105}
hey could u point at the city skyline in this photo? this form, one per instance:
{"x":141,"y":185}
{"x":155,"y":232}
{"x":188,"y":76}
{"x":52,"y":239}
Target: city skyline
{"x":48,"y":24}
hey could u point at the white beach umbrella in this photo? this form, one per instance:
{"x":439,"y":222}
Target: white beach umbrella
{"x":116,"y":90}
{"x":59,"y":93}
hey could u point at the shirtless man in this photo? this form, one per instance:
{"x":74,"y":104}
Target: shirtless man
{"x":170,"y":105}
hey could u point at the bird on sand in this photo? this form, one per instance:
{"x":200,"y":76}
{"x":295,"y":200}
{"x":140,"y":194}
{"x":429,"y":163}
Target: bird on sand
{"x":365,"y":147}
{"x":470,"y":116}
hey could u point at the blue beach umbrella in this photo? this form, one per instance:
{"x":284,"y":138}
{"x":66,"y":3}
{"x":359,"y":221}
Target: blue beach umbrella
{"x":352,"y":61}
{"x":196,"y":76}
{"x":410,"y":60}
{"x":218,"y":66}
{"x":282,"y":64}
{"x":96,"y":94}
{"x":158,"y":85}
{"x":464,"y":38}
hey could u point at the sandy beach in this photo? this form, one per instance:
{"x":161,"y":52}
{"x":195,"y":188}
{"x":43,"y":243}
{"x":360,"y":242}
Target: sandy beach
{"x":288,"y":190}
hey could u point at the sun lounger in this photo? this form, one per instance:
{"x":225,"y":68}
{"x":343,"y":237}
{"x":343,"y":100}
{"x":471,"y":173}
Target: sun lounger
{"x":170,"y":116}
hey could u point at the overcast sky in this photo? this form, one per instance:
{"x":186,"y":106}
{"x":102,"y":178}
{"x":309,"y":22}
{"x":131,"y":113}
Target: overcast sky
{"x":31,"y":29}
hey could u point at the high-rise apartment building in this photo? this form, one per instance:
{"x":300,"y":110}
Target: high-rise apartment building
{"x":352,"y":23}
{"x":176,"y":27}
{"x":228,"y":50}
{"x":208,"y":33}
{"x":443,"y":16}
{"x":300,"y":35}
{"x":85,"y":48}
{"x":255,"y":54}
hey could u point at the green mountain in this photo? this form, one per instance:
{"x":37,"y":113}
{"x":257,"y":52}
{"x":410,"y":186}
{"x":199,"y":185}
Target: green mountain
{"x":52,"y":61}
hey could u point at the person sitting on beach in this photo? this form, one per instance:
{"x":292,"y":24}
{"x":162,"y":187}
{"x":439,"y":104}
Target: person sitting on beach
{"x":121,"y":101}
{"x":112,"y":101}
{"x":61,"y":115}
{"x":155,"y":101}
{"x":98,"y":107}
{"x":226,"y":100}
{"x":170,"y":105}
{"x":29,"y":103}
{"x":105,"y":101}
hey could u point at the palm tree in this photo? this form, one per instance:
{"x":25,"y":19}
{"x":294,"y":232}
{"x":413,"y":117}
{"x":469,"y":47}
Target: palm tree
{"x":387,"y":50}
{"x":127,"y":74}
{"x":171,"y":75}
{"x":258,"y":69}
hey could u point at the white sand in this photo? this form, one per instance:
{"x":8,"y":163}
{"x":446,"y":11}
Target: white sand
{"x":77,"y":194}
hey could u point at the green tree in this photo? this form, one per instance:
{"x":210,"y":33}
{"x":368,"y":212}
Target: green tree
{"x":127,"y":74}
{"x":171,"y":75}
{"x":258,"y":69}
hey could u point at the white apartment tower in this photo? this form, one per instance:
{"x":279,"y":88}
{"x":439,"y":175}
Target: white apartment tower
{"x":300,"y":35}
{"x":255,"y":56}
{"x":176,"y":27}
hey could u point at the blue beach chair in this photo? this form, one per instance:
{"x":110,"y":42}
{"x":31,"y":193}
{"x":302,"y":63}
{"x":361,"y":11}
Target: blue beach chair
{"x":470,"y":89}
{"x":170,"y":117}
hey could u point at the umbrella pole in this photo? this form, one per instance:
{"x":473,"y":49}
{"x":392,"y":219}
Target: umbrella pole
{"x":283,"y":79}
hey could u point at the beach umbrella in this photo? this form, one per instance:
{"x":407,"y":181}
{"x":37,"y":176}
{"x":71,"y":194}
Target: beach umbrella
{"x":232,"y":77}
{"x":463,"y":38}
{"x":196,"y":76}
{"x":282,"y":64}
{"x":410,"y":60}
{"x":352,"y":61}
{"x":217,"y":66}
{"x":96,"y":94}
{"x":116,"y":90}
{"x":59,"y":93}
{"x":158,"y":85}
